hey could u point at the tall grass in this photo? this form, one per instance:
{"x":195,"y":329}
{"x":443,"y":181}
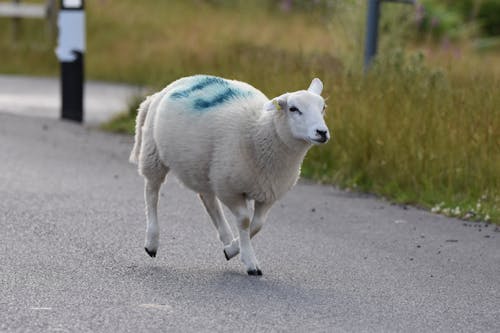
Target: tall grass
{"x":416,"y":135}
{"x":416,"y":129}
{"x":187,"y":37}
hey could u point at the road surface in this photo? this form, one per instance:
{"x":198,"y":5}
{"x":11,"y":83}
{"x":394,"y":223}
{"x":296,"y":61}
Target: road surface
{"x":40,"y":97}
{"x":72,"y":260}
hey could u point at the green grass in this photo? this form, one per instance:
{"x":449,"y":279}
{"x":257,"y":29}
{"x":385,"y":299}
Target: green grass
{"x":416,"y":135}
{"x":420,"y":130}
{"x":124,"y":122}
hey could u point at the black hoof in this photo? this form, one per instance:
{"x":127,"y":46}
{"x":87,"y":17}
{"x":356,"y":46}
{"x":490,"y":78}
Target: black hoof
{"x":255,"y":272}
{"x":152,"y":254}
{"x":225,"y":255}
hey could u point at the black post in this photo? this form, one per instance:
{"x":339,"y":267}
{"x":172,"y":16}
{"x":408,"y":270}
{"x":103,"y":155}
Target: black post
{"x":70,"y":51}
{"x":72,"y":79}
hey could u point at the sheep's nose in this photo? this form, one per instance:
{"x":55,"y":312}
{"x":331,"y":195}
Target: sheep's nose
{"x":323,"y":135}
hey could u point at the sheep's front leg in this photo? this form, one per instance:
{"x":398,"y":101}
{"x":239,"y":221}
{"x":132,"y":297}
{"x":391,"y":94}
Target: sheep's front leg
{"x":259,"y":217}
{"x":212,"y":205}
{"x":238,"y":207}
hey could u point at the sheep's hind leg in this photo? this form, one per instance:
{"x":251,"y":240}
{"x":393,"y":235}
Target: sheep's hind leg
{"x":239,"y":208}
{"x":214,"y":209}
{"x":151,"y":190}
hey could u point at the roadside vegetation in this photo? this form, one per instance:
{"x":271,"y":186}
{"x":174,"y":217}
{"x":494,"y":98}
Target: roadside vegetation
{"x":421,"y":127}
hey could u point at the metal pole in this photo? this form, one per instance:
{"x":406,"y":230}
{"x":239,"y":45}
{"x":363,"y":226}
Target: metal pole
{"x":372,"y":17}
{"x":70,"y":52}
{"x":15,"y":24}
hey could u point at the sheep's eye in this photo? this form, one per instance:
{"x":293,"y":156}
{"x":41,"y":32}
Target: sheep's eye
{"x":294,"y":109}
{"x":324,"y":109}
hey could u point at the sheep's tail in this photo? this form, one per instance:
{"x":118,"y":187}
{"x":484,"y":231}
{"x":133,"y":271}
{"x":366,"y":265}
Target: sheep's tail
{"x":142,"y":112}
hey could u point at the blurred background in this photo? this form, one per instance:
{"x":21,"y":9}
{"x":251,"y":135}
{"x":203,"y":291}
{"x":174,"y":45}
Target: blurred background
{"x":422,"y":126}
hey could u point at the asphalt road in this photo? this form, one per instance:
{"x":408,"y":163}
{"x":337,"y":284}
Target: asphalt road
{"x":71,"y":253}
{"x":40,"y":97}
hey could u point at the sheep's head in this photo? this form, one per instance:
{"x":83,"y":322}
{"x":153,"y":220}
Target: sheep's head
{"x":304,"y":111}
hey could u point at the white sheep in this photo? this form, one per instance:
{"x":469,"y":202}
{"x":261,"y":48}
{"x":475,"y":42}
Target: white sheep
{"x":225,"y":140}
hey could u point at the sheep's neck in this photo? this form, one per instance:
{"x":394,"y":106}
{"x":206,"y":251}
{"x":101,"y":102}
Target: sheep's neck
{"x":278,"y":156}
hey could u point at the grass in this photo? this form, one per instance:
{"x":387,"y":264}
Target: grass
{"x":416,"y":135}
{"x":124,"y":122}
{"x":417,"y":129}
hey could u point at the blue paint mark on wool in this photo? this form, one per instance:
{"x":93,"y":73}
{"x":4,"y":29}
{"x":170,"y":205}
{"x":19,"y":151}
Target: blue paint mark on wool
{"x":221,"y":98}
{"x":203,"y":82}
{"x":209,"y":91}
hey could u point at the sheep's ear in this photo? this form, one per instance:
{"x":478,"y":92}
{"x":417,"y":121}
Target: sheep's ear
{"x":277,"y":103}
{"x":316,"y":86}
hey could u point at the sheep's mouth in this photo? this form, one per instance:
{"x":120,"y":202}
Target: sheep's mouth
{"x":319,"y":141}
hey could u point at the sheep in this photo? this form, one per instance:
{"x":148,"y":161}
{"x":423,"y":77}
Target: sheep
{"x":226,"y":141}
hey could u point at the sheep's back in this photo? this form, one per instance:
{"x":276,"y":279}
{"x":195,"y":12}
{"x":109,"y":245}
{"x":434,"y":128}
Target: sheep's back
{"x":200,"y":115}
